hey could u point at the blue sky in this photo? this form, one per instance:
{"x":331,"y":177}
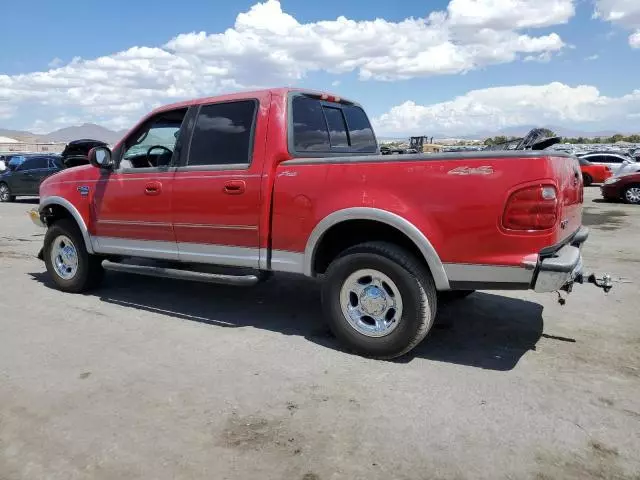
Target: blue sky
{"x":557,"y":61}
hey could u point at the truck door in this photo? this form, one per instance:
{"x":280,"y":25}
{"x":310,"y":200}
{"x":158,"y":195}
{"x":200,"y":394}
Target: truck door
{"x":132,"y":203}
{"x":216,"y":194}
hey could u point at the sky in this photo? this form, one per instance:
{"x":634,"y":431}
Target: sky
{"x":433,"y":67}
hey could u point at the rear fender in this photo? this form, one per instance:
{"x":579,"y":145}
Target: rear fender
{"x":365,"y":213}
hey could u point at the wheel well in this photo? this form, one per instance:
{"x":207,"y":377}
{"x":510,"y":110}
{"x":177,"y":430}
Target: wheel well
{"x":353,"y":232}
{"x":54,"y":213}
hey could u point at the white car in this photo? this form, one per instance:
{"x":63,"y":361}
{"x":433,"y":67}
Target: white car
{"x":613,"y":160}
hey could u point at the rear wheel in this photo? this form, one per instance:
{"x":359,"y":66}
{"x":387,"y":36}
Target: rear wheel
{"x":587,"y":179}
{"x":5,"y":193}
{"x":71,"y":267}
{"x":379,"y":300}
{"x":632,"y":194}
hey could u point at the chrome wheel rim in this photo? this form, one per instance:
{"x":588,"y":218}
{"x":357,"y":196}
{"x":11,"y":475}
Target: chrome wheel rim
{"x":64,"y":257}
{"x":4,"y":193}
{"x":633,"y":194}
{"x":371,"y":303}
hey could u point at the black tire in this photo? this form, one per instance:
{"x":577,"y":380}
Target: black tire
{"x":5,"y":193}
{"x":414,"y":283}
{"x":632,"y":199}
{"x":89,"y":271}
{"x":453,"y":295}
{"x":587,"y":180}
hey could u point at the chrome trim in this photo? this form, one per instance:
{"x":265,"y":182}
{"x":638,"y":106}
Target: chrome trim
{"x":136,"y":248}
{"x":219,"y":254}
{"x":468,"y":272}
{"x":135,"y":222}
{"x":284,"y":261}
{"x":55,"y":200}
{"x":231,"y":175}
{"x":214,"y":168}
{"x":216,"y":227}
{"x":391,"y":219}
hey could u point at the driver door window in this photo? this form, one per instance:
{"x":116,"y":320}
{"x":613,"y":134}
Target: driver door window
{"x":153,"y":144}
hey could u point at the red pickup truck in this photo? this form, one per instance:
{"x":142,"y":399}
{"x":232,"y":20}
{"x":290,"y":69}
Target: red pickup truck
{"x":286,"y":180}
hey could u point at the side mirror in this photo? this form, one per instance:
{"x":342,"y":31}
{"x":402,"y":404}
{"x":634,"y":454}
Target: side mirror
{"x":100,"y":157}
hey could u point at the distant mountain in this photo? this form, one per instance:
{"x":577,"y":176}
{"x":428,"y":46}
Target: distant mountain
{"x":67,"y":134}
{"x":87,"y":130}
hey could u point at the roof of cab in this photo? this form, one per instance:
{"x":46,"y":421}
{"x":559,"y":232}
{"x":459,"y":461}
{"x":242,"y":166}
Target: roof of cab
{"x":243,"y":94}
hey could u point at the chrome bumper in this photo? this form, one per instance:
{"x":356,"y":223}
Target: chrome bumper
{"x":34,"y":215}
{"x":563,"y":268}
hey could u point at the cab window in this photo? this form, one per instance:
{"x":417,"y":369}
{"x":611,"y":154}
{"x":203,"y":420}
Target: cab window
{"x":153,"y":144}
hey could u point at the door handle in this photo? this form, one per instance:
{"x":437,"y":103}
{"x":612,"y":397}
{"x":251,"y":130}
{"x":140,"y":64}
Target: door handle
{"x":153,"y":188}
{"x":235,"y":187}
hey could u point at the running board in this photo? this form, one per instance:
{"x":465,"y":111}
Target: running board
{"x":177,"y":274}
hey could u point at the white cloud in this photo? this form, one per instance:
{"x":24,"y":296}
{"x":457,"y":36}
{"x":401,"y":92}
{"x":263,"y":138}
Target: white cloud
{"x":56,"y":62}
{"x":499,"y":107}
{"x":268,"y":46}
{"x":625,"y":13}
{"x":335,"y":83}
{"x":590,"y":58}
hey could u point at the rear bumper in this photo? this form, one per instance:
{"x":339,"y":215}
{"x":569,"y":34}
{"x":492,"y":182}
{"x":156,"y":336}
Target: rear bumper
{"x":562,"y":268}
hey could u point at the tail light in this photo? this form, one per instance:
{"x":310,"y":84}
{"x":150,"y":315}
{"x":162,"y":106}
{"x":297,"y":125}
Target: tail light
{"x":532,"y":208}
{"x":607,"y":168}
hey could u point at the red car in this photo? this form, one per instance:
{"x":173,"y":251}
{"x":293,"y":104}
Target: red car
{"x":285,"y":180}
{"x":625,"y":187}
{"x":593,"y":173}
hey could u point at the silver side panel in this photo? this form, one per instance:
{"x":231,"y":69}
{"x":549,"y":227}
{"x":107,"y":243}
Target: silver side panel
{"x":396,"y":221}
{"x":54,"y":200}
{"x":465,"y":272}
{"x":283,"y":261}
{"x":219,"y":255}
{"x":135,"y":248}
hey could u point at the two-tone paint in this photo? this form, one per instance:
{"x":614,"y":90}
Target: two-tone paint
{"x":273,"y":213}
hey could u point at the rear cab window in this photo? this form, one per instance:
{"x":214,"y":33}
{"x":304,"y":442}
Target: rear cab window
{"x":321,"y":128}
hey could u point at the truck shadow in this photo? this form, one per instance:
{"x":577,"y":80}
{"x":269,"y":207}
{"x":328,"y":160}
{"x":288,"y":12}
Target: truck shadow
{"x":485,"y":330}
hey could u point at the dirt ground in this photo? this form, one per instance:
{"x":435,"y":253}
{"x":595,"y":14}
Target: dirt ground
{"x":158,"y":379}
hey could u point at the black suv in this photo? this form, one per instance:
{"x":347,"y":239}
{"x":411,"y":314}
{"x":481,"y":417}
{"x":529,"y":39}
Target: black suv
{"x":24,"y":178}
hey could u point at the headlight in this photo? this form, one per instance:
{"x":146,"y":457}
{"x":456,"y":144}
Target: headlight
{"x":611,"y":180}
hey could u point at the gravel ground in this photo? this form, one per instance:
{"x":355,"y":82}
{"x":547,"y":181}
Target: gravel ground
{"x":158,"y":379}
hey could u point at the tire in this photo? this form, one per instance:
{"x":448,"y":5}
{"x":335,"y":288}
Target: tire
{"x":5,"y":193}
{"x":402,"y":281}
{"x":587,"y":180}
{"x":632,"y":194}
{"x":88,"y":272}
{"x":453,"y":295}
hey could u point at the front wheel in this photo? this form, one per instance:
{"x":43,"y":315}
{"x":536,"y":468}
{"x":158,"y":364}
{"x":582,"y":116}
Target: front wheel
{"x":379,"y":300}
{"x":71,"y":267}
{"x":5,"y":193}
{"x":632,"y":194}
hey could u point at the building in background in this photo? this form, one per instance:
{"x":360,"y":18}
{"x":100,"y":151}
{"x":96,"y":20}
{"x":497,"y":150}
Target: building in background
{"x":8,"y":144}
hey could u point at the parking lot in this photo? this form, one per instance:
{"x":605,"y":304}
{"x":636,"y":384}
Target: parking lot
{"x":157,"y":379}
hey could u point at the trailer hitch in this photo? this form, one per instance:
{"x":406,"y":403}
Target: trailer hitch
{"x":605,"y":283}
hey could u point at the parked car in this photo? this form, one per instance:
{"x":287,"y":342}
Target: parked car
{"x":76,"y":152}
{"x":624,"y":187}
{"x":25,"y":173}
{"x":284,"y":180}
{"x":593,"y":173}
{"x":612,"y":160}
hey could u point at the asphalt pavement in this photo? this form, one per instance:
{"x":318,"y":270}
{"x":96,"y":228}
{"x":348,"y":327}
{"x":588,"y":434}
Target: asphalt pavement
{"x":158,"y":379}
